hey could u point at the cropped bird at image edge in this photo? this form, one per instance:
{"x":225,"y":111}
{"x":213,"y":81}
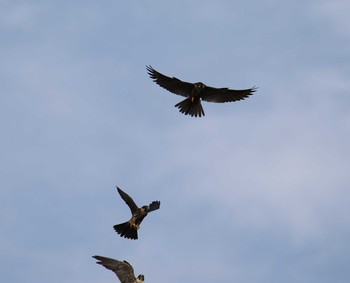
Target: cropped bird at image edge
{"x":122,"y":269}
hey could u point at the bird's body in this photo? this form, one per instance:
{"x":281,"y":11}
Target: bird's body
{"x":129,"y":228}
{"x":197,"y":92}
{"x":193,"y":104}
{"x":122,"y":269}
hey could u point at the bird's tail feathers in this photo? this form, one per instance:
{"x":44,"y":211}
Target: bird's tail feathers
{"x":192,"y":108}
{"x":126,"y":230}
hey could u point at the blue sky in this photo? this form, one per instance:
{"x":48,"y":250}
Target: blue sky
{"x":256,"y":191}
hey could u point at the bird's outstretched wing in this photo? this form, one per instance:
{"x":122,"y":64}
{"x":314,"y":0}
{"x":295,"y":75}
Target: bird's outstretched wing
{"x":221,"y":95}
{"x":122,"y":269}
{"x":154,"y":206}
{"x":173,"y":84}
{"x":128,"y":200}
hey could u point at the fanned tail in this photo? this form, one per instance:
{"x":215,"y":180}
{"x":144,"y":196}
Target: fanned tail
{"x":192,"y":108}
{"x":126,"y":230}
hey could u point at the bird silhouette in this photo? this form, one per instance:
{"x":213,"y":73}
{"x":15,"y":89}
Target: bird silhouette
{"x":196,"y":92}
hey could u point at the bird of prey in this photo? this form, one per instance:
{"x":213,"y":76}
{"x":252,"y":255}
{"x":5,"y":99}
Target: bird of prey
{"x":196,"y":92}
{"x":122,"y":269}
{"x":129,"y":229}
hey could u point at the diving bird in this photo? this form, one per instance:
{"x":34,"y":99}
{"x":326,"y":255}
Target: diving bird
{"x":122,"y":269}
{"x":129,"y":229}
{"x":197,"y":92}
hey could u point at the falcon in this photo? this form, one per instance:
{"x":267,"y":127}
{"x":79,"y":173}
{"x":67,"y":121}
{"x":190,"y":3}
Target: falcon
{"x":197,"y":92}
{"x":122,"y":269}
{"x":129,"y":229}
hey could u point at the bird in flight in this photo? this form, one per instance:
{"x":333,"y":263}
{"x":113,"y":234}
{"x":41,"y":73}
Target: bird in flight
{"x":122,"y":269}
{"x":129,"y":229}
{"x":196,"y":92}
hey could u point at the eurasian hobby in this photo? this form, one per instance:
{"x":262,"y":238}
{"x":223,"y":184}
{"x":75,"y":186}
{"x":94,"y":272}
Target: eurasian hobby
{"x":129,"y":229}
{"x":196,"y":92}
{"x":122,"y":269}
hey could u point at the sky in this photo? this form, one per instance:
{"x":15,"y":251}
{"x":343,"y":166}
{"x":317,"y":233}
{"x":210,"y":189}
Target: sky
{"x":255,"y":191}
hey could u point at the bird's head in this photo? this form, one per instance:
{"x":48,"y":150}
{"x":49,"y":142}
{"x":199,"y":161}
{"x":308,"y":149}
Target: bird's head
{"x":145,"y":208}
{"x":199,"y":86}
{"x":140,"y":278}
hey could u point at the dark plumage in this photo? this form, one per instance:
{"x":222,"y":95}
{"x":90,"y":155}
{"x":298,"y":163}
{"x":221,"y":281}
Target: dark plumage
{"x":122,"y":269}
{"x":129,"y":229}
{"x":196,"y":92}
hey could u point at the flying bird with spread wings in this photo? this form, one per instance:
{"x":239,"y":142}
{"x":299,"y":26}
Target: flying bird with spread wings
{"x":122,"y":269}
{"x":196,"y":92}
{"x":129,"y":229}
